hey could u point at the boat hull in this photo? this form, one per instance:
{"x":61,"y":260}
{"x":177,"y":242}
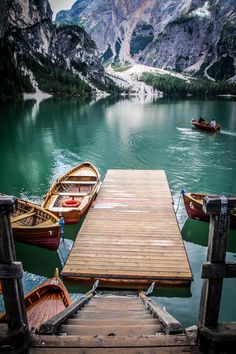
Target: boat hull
{"x":35,"y":226}
{"x":48,"y":238}
{"x":194,"y":210}
{"x":80,"y":186}
{"x":204,"y":126}
{"x":44,"y":302}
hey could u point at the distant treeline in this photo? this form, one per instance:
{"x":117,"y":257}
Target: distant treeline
{"x":174,"y":86}
{"x":53,"y":79}
{"x":50,"y":77}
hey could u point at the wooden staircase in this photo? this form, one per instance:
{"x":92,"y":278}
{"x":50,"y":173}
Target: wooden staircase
{"x":112,"y":324}
{"x":112,"y":316}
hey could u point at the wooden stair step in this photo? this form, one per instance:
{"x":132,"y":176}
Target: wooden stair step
{"x":115,"y":310}
{"x":116,"y":299}
{"x":161,"y":344}
{"x":111,"y":322}
{"x":108,"y":330}
{"x":146,"y":350}
{"x":111,"y":315}
{"x":121,"y":307}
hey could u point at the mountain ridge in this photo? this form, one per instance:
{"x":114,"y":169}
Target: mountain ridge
{"x":195,"y":36}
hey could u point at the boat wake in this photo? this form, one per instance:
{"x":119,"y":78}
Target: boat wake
{"x":184,"y":130}
{"x":228,"y":132}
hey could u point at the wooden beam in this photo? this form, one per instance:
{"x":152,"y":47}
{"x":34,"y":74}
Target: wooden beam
{"x":75,"y":341}
{"x":221,"y":339}
{"x":217,"y":242}
{"x":212,"y":205}
{"x":171,"y":325}
{"x":22,"y":217}
{"x":11,"y":271}
{"x":12,"y":288}
{"x":218,"y":270}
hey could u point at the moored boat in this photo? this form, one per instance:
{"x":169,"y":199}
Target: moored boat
{"x":45,"y":301}
{"x":205,"y":126}
{"x":35,"y":226}
{"x":193,"y":204}
{"x":71,"y":194}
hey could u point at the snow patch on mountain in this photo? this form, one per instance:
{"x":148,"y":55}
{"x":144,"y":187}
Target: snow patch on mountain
{"x":202,"y":11}
{"x":130,"y":79}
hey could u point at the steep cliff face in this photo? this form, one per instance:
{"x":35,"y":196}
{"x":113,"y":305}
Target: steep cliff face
{"x":192,"y":35}
{"x":36,"y":45}
{"x":203,"y":41}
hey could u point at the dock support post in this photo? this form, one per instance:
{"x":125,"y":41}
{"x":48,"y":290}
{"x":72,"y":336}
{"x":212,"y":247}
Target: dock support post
{"x":213,"y":273}
{"x":11,"y":275}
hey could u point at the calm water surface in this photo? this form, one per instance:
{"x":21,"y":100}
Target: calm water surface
{"x":40,"y":141}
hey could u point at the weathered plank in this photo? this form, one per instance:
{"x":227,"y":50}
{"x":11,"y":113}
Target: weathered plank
{"x":171,"y":325}
{"x":216,"y":271}
{"x":217,"y":242}
{"x":116,"y":330}
{"x":106,"y":342}
{"x":163,"y":350}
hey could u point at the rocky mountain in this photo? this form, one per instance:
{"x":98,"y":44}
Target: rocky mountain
{"x":195,"y":36}
{"x":32,"y":48}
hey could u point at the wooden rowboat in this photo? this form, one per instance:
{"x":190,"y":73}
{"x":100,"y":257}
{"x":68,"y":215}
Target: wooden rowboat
{"x":71,"y":195}
{"x":44,"y":302}
{"x":35,"y":226}
{"x":205,"y":126}
{"x":193,"y":204}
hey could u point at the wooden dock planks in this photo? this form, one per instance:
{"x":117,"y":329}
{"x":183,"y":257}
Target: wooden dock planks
{"x":130,"y":235}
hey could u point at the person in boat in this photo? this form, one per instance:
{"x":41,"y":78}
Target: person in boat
{"x":213,"y":123}
{"x":201,"y":120}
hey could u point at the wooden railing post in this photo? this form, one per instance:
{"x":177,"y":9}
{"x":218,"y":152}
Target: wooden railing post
{"x":217,"y":242}
{"x":11,"y":271}
{"x":216,"y":269}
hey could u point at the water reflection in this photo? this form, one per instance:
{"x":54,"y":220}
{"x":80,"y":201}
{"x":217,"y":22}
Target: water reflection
{"x":196,"y":232}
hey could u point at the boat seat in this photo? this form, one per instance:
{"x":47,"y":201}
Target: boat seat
{"x":84,"y":201}
{"x":78,"y":182}
{"x":22,"y":216}
{"x":72,"y":194}
{"x":46,"y":222}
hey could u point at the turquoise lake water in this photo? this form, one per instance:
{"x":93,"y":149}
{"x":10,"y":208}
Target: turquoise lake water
{"x":40,"y":141}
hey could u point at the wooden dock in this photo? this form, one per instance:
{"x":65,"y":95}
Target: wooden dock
{"x":130,"y":236}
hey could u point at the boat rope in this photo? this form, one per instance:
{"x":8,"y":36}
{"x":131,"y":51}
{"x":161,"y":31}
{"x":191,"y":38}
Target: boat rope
{"x":93,"y":290}
{"x":181,"y":193}
{"x":86,"y":300}
{"x":150,"y":289}
{"x":95,"y":285}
